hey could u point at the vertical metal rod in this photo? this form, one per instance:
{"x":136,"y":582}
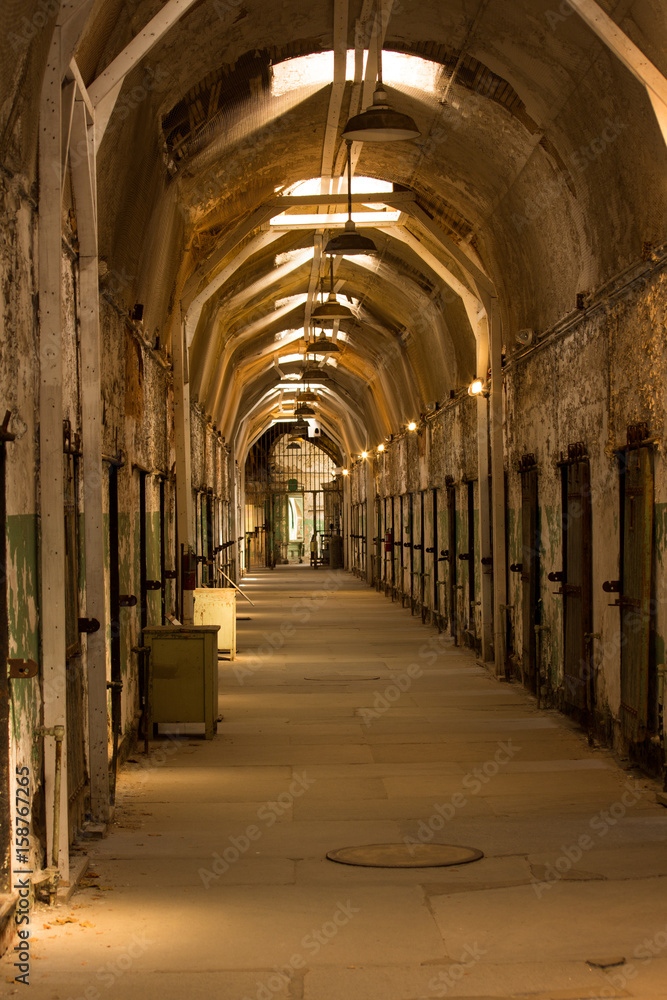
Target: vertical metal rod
{"x":58,"y":733}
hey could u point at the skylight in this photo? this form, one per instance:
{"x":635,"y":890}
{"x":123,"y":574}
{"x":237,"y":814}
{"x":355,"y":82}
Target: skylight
{"x":362,"y":185}
{"x":400,"y":70}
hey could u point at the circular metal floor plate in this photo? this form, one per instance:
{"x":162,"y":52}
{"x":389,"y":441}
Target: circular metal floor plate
{"x":405,"y":855}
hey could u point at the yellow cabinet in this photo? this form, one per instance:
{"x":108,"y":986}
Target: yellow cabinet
{"x":182,"y":676}
{"x":217,"y":606}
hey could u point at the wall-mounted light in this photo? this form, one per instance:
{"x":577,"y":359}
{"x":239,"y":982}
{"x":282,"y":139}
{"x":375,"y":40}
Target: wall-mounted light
{"x":380,"y":447}
{"x":412,"y":426}
{"x":364,"y":454}
{"x":478,"y":388}
{"x":345,"y":472}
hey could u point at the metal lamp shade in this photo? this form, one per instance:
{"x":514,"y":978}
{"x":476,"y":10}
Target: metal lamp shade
{"x":350,"y":242}
{"x":325,"y":345}
{"x":380,"y":123}
{"x":330,"y":310}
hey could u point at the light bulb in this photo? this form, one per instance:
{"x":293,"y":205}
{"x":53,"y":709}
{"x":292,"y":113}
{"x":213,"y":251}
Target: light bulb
{"x":412,"y":426}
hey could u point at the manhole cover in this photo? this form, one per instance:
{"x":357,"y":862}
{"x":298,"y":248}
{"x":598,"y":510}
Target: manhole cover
{"x":405,"y":856}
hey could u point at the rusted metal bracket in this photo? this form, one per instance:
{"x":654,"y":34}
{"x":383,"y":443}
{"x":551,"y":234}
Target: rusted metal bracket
{"x":527,"y":463}
{"x":577,"y":452}
{"x":88,"y":625}
{"x":153,"y":584}
{"x":22,"y":668}
{"x":5,"y":433}
{"x":71,"y":442}
{"x":517,"y":568}
{"x":127,"y":601}
{"x":169,"y":574}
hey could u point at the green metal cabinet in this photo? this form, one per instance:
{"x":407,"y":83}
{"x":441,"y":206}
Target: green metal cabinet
{"x":182,"y":675}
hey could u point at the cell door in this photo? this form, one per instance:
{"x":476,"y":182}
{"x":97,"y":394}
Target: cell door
{"x":417,"y":550}
{"x":398,"y":546}
{"x":530,"y":567}
{"x":430,"y":580}
{"x":377,"y":548}
{"x":471,"y":563}
{"x":395,"y":538}
{"x":407,"y":546}
{"x":77,"y":772}
{"x":451,"y":561}
{"x":364,"y":535}
{"x":635,"y":590}
{"x":576,"y":580}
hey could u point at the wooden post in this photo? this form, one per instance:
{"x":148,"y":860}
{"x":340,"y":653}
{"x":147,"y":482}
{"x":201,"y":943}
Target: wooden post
{"x":497,"y":485}
{"x":52,"y":521}
{"x":371,"y":525}
{"x":183,"y":461}
{"x":484,"y":484}
{"x":84,"y":186}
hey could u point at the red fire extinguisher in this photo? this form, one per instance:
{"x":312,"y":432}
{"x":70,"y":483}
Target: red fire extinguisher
{"x":388,"y":541}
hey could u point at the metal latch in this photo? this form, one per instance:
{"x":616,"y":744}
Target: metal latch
{"x":516,"y":568}
{"x":170,"y":574}
{"x":127,"y":600}
{"x":153,"y":584}
{"x":22,"y":668}
{"x":464,"y":556}
{"x":115,"y":685}
{"x":88,"y":625}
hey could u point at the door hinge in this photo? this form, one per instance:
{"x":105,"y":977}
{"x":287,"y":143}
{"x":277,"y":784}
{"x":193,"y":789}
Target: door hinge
{"x":22,"y":668}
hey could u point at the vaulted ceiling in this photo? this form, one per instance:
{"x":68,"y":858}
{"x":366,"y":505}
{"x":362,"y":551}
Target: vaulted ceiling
{"x":540,"y":173}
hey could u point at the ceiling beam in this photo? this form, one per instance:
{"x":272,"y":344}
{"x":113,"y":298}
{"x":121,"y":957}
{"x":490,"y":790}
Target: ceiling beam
{"x":243,"y":230}
{"x":475,"y":273}
{"x":398,"y":199}
{"x":140,"y":46}
{"x":629,"y":54}
{"x":195,"y":308}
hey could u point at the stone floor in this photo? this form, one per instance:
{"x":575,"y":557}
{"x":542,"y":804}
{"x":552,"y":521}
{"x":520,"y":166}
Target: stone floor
{"x":345,"y":722}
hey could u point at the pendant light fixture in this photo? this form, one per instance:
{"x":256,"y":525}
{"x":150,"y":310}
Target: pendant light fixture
{"x":380,"y":122}
{"x":325,"y":345}
{"x":304,"y":410}
{"x":332,"y":309}
{"x":317,"y":375}
{"x":349,"y":241}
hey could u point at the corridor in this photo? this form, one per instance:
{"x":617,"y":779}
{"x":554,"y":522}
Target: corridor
{"x":347,"y":722}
